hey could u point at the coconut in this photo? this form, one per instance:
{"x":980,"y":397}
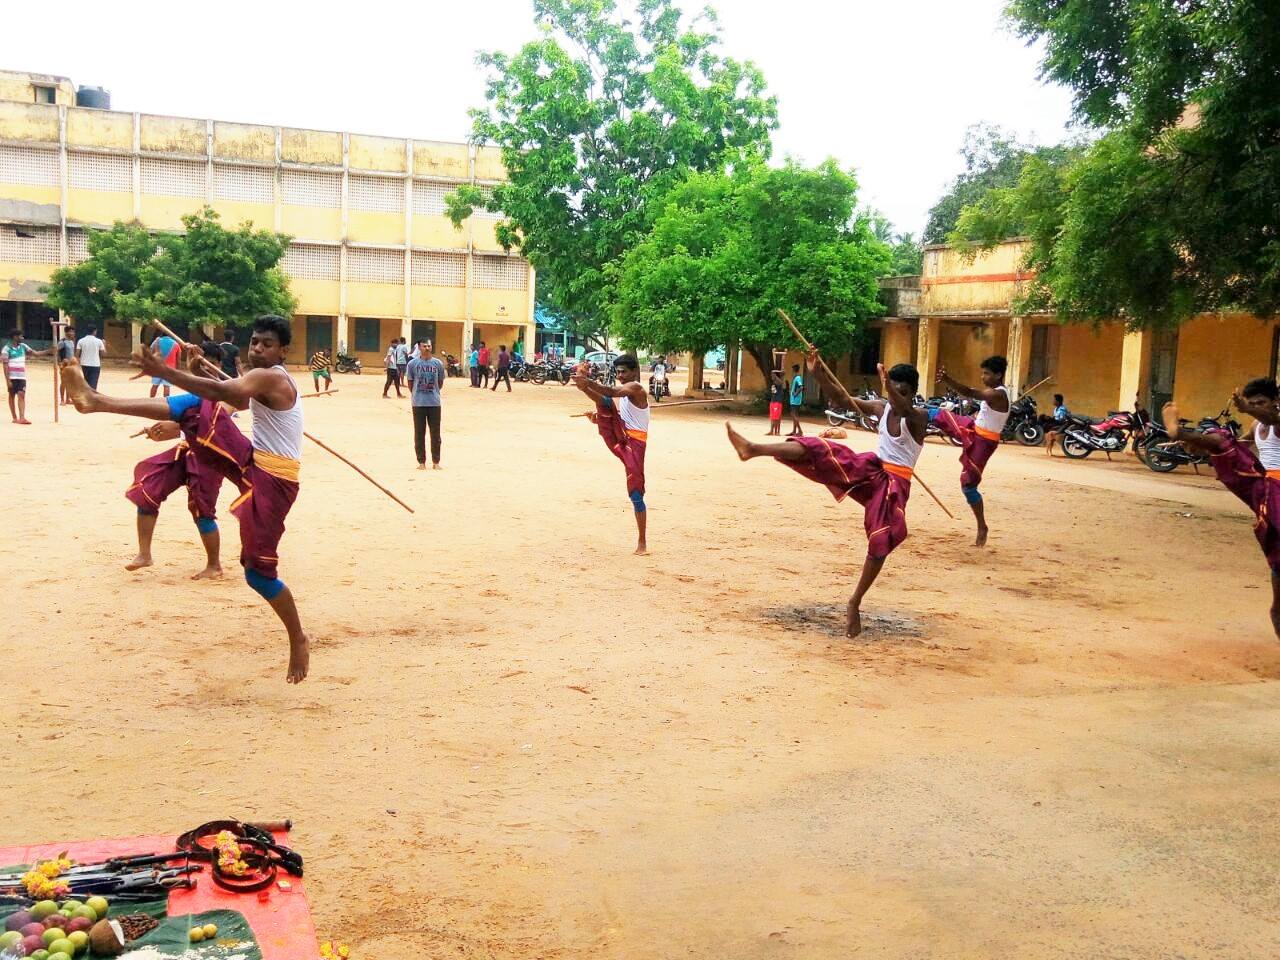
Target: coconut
{"x":106,"y":939}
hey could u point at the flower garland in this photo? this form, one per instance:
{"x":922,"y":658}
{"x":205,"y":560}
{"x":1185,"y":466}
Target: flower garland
{"x":229,"y":859}
{"x":42,"y":881}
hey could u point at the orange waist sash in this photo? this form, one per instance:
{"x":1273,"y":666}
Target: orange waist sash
{"x":986,"y":434}
{"x":906,"y":473}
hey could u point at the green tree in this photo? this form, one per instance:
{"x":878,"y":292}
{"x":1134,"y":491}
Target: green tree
{"x":1175,"y":210}
{"x":728,"y":250}
{"x":597,"y":120}
{"x":908,"y":254}
{"x":207,"y":274}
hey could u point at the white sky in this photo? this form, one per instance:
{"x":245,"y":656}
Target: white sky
{"x":886,"y":88}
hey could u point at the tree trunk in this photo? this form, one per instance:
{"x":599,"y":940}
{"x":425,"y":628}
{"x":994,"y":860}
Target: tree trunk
{"x":762,"y":354}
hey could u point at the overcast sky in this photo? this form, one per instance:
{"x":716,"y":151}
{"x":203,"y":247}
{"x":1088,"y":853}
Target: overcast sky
{"x":887,"y":88}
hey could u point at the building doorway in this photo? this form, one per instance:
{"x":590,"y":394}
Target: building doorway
{"x":1164,"y":363}
{"x":319,"y":335}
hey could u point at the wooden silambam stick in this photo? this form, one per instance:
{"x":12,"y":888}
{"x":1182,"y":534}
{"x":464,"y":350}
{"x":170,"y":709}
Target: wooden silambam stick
{"x":664,"y":406}
{"x":219,"y":371}
{"x":1035,"y":388}
{"x":808,"y":346}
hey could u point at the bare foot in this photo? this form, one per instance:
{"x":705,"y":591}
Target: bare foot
{"x":299,"y":659}
{"x":79,"y":392}
{"x":25,"y":422}
{"x":854,"y":625}
{"x":422,"y":466}
{"x":1171,"y":424}
{"x":981,"y":541}
{"x":138,"y":562}
{"x":642,"y":550}
{"x":740,"y":443}
{"x":211,"y":572}
{"x":436,"y":466}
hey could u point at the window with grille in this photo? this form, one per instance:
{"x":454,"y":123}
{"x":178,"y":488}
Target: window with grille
{"x":45,"y":94}
{"x":439,"y":269}
{"x":173,"y":178}
{"x":428,"y":198}
{"x":375,"y":266}
{"x":30,"y":244}
{"x":501,"y":273}
{"x":309,"y":261}
{"x":368,"y":339}
{"x":309,"y":188}
{"x":77,"y":244}
{"x":92,"y":171}
{"x":36,"y":168}
{"x":1045,"y":338}
{"x":376,"y":194}
{"x":245,"y":184}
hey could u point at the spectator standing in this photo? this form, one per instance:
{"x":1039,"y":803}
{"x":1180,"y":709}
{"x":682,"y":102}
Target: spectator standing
{"x":504,"y":368}
{"x":66,"y":351}
{"x":14,"y":357}
{"x":230,"y":361}
{"x":483,"y":357}
{"x":797,"y":400}
{"x":393,"y":372}
{"x":475,"y":366}
{"x":426,"y":376}
{"x":321,"y":366}
{"x":90,"y":349}
{"x":402,"y":358}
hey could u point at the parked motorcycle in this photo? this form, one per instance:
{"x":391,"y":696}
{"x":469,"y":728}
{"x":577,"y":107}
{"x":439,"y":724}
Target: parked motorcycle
{"x":659,"y":388}
{"x":1024,"y":424}
{"x":1081,"y":436}
{"x":553,"y":370}
{"x":347,"y":364}
{"x":451,"y":365}
{"x":1164,"y":455}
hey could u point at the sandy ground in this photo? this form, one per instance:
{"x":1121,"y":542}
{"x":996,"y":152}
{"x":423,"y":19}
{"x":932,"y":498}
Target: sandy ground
{"x":519,"y":741}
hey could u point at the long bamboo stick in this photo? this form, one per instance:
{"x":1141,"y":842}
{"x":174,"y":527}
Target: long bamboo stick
{"x":663,"y":406}
{"x":808,"y":347}
{"x":221,"y":373}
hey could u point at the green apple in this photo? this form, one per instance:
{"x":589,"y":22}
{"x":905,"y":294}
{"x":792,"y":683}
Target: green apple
{"x":52,"y":934}
{"x":98,"y":905}
{"x":39,"y":955}
{"x":80,"y":939}
{"x":45,"y":908}
{"x":59,"y":956}
{"x":62,"y":945}
{"x":9,"y":938}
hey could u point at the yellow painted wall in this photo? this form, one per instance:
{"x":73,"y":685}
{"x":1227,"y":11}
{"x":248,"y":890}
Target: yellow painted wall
{"x":100,"y":128}
{"x":23,"y":191}
{"x":166,"y":213}
{"x":1088,"y":370}
{"x":489,"y":164}
{"x":438,"y":301}
{"x":448,"y":339}
{"x":372,"y":360}
{"x":437,"y":233}
{"x":486,"y":305}
{"x":310,"y":146}
{"x":317,"y":297}
{"x":310,"y":223}
{"x":236,"y":212}
{"x":28,"y":121}
{"x":21,"y":273}
{"x":963,"y":347}
{"x":482,"y":236}
{"x":102,"y":207}
{"x":896,"y":344}
{"x":375,"y":153}
{"x":364,"y":226}
{"x":1216,"y":355}
{"x":172,"y":135}
{"x":244,"y":141}
{"x":495,"y":334}
{"x":119,"y":339}
{"x":448,"y":160}
{"x":20,"y":87}
{"x":375,"y":300}
{"x":974,"y":296}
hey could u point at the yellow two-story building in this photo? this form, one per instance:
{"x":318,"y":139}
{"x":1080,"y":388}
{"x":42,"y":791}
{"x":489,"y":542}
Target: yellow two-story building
{"x":373,"y":255}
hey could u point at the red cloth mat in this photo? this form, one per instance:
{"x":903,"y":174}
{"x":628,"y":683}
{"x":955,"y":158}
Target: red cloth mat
{"x":281,"y":925}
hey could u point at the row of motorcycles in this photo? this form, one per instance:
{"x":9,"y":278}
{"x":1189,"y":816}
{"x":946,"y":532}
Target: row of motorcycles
{"x":1080,"y":436}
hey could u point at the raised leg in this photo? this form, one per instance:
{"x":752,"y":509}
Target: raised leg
{"x":88,"y":400}
{"x":747,"y":450}
{"x":1206,"y":442}
{"x":871,"y":568}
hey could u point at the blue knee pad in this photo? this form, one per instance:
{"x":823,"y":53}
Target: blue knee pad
{"x":971,"y":495}
{"x":932,"y":413}
{"x":637,"y":500}
{"x":267,"y":589}
{"x":181,"y":404}
{"x":206,"y":525}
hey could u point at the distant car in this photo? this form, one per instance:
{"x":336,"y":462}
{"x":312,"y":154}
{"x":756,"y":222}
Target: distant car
{"x":603,"y":359}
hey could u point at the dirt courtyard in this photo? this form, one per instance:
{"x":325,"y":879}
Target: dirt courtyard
{"x":518,"y":741}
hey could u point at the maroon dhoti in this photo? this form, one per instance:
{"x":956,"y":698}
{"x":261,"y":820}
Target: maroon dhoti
{"x":627,"y":445}
{"x":189,"y":464}
{"x":1240,"y":472}
{"x":976,"y":445}
{"x":882,"y":489}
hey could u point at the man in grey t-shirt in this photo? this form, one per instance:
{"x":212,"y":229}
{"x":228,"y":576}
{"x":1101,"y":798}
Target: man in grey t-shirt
{"x":426,"y":377}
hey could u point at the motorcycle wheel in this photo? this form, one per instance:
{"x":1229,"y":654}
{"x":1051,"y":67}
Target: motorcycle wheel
{"x":834,"y":420}
{"x":1030,"y":434}
{"x":1074,"y":447}
{"x":539,"y":375}
{"x":1159,"y":459}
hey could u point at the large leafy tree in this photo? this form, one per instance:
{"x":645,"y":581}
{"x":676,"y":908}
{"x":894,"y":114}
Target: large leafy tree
{"x":207,"y":274}
{"x":729,"y":249}
{"x":1175,"y":210}
{"x":597,"y":120}
{"x":993,"y":159}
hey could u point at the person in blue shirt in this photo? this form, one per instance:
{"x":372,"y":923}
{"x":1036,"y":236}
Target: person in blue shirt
{"x":1053,"y":427}
{"x":796,"y":400}
{"x":426,"y":377}
{"x":169,"y":350}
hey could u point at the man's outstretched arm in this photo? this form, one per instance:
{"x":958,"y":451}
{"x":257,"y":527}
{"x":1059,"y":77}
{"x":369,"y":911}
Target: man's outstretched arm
{"x":598,"y":391}
{"x":835,"y":389}
{"x":995,"y":398}
{"x":256,"y":384}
